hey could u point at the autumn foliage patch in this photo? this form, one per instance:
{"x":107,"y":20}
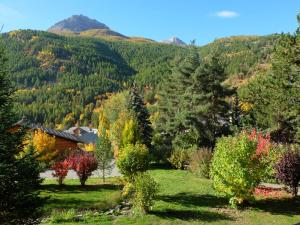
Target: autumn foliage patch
{"x":288,"y":170}
{"x":238,"y":165}
{"x":268,"y":192}
{"x":60,"y":170}
{"x":263,"y":142}
{"x":83,"y":164}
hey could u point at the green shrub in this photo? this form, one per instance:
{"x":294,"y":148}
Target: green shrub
{"x":133,"y":159}
{"x":180,"y":158}
{"x":71,"y":216}
{"x":59,"y":216}
{"x":275,"y":153}
{"x":236,"y":168}
{"x":200,"y":162}
{"x":145,"y":189}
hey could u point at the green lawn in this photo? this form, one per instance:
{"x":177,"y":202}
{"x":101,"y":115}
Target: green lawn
{"x":71,"y":196}
{"x":183,"y":199}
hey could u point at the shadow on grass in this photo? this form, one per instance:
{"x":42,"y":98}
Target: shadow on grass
{"x":161,"y":166}
{"x":188,"y":215}
{"x":190,"y":200}
{"x":286,"y":206}
{"x":80,"y":204}
{"x":79,"y":188}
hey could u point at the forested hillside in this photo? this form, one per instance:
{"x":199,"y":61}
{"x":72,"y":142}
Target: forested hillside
{"x":242,"y":56}
{"x":59,"y":79}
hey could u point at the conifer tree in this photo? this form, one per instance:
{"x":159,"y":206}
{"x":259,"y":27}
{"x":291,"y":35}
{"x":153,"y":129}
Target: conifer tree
{"x":171,"y":121}
{"x":235,"y":114}
{"x":275,"y":95}
{"x":19,"y":175}
{"x":207,"y":110}
{"x":142,"y":116}
{"x":192,"y":106}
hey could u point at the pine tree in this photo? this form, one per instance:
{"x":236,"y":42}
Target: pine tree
{"x":192,"y":106}
{"x":19,"y":176}
{"x":285,"y":86}
{"x":207,"y":111}
{"x":171,"y":121}
{"x":275,"y":96}
{"x":235,"y":114}
{"x":142,"y":116}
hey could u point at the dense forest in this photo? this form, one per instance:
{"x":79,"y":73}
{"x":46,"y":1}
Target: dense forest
{"x":61,"y":80}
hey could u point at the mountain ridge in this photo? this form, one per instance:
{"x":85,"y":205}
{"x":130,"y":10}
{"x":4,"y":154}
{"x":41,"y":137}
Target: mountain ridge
{"x":60,"y":78}
{"x":77,"y":23}
{"x":83,"y":26}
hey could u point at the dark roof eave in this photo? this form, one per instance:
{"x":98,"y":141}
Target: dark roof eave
{"x":49,"y":131}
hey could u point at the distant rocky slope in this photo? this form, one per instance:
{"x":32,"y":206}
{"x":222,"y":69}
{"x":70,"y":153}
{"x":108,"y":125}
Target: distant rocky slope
{"x":174,"y":41}
{"x":80,"y":25}
{"x":77,"y":23}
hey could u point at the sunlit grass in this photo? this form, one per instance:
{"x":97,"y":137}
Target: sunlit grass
{"x":183,"y":199}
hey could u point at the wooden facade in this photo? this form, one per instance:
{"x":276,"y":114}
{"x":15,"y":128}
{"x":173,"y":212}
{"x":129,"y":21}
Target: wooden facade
{"x":63,"y":141}
{"x":62,"y":144}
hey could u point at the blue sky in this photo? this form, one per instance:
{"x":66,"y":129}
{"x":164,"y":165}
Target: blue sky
{"x":203,"y":20}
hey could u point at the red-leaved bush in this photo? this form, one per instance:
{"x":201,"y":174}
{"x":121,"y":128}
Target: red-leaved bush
{"x":263,"y":142}
{"x":60,"y":170}
{"x":83,"y":164}
{"x":288,"y":171}
{"x":267,"y":192}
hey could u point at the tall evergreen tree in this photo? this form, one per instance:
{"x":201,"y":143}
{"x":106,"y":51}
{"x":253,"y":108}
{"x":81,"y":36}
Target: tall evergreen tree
{"x":138,"y":107}
{"x":192,"y":106}
{"x":19,"y":176}
{"x":207,"y":111}
{"x":275,"y":95}
{"x":171,"y":117}
{"x":235,"y":114}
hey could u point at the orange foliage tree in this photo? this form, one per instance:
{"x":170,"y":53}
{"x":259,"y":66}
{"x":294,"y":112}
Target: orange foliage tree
{"x":44,"y":146}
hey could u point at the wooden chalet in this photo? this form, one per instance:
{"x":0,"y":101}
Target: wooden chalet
{"x":64,"y":140}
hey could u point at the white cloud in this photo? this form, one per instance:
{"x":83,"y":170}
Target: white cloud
{"x":227,"y":14}
{"x":9,"y":13}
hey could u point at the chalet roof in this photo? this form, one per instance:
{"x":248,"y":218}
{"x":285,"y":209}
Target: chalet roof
{"x":71,"y":130}
{"x":49,"y":131}
{"x":86,"y":134}
{"x":57,"y":133}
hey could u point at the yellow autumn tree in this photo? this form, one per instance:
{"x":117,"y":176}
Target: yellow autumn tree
{"x":89,"y":147}
{"x":44,"y":146}
{"x":46,"y":59}
{"x":116,"y":131}
{"x":245,"y":106}
{"x":113,"y":114}
{"x":104,"y":125}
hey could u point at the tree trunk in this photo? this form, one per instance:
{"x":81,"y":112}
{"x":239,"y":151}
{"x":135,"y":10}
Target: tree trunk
{"x":83,"y":180}
{"x":60,"y":181}
{"x":295,"y":191}
{"x":103,"y":174}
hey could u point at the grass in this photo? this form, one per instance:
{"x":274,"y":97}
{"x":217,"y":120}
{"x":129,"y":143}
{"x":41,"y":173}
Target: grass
{"x":65,"y":202}
{"x":183,"y":199}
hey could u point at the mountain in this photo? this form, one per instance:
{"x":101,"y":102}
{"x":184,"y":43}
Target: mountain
{"x":174,"y":41}
{"x":77,"y":23}
{"x":84,"y":26}
{"x":61,"y":79}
